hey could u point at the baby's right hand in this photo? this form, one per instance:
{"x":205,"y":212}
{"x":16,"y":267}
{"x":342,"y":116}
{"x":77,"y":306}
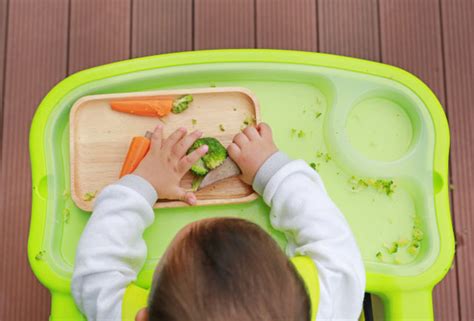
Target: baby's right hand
{"x":251,"y":148}
{"x":166,"y":163}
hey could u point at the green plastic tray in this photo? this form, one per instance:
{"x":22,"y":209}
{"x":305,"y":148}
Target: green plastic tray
{"x":349,"y":117}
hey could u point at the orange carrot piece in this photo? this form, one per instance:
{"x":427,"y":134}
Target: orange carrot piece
{"x":153,"y":108}
{"x":136,"y":152}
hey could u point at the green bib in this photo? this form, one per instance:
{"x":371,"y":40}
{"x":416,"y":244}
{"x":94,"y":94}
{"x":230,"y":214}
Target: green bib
{"x":135,"y":297}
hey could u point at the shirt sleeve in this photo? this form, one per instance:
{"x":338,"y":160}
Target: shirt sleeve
{"x":314,"y":226}
{"x":111,"y":250}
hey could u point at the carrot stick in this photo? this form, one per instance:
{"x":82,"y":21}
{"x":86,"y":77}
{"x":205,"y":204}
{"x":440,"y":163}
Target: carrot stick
{"x":136,"y":152}
{"x":153,"y":108}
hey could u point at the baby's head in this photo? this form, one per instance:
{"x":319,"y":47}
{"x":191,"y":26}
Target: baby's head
{"x":226,"y":269}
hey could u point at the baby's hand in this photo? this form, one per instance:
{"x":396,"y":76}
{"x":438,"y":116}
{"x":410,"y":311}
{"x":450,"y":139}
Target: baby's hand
{"x":166,"y":163}
{"x":251,"y":148}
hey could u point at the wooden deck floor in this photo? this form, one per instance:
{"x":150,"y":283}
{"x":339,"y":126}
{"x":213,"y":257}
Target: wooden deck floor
{"x":41,"y":42}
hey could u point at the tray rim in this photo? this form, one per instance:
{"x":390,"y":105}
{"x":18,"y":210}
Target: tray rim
{"x":87,"y":206}
{"x":376,"y":283}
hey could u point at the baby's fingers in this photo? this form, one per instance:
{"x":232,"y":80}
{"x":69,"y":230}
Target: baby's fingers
{"x":187,"y":161}
{"x":187,"y":141}
{"x":157,"y":137}
{"x":234,"y":151}
{"x":264,"y":130}
{"x":187,"y":197}
{"x":174,"y":138}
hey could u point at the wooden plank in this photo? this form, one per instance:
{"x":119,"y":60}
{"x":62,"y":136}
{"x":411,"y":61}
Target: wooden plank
{"x":458,"y":36}
{"x":283,"y":24}
{"x":3,"y":40}
{"x":411,"y":39}
{"x":99,"y":32}
{"x":349,"y":28}
{"x":445,"y":297}
{"x":224,"y":24}
{"x":36,"y":60}
{"x":161,"y":26}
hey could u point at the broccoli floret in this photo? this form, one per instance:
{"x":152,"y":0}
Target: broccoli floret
{"x":181,"y":104}
{"x":215,"y":156}
{"x":199,"y":168}
{"x":196,"y":183}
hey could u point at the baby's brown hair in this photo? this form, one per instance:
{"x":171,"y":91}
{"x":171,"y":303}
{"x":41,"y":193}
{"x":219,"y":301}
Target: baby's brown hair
{"x":227,"y":269}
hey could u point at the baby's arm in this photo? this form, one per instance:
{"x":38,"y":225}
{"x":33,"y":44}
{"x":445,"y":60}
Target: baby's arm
{"x":312,"y":223}
{"x":111,"y":250}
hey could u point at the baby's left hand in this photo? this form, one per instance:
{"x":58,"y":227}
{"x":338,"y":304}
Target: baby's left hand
{"x":166,"y":163}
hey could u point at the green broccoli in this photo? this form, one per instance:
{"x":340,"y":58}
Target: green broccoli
{"x":196,"y":183}
{"x":215,"y":156}
{"x":181,"y":104}
{"x":199,"y":168}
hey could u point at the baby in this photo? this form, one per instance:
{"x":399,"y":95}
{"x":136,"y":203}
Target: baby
{"x":220,"y":269}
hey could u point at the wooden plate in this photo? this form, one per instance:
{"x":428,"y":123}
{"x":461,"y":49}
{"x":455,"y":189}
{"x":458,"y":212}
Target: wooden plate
{"x":100,"y":137}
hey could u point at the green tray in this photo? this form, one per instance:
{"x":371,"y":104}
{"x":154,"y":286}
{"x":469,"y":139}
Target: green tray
{"x":350,"y":117}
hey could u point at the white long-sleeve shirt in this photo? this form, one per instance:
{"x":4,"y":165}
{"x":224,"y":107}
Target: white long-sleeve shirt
{"x":112,"y":251}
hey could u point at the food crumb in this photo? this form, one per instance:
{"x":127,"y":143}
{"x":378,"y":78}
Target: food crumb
{"x":221,"y":127}
{"x":194,"y":121}
{"x":40,"y":255}
{"x":66,"y":215}
{"x":417,"y":234}
{"x":380,"y":185}
{"x":403,"y":242}
{"x":393,"y":248}
{"x":318,"y":114}
{"x":412,"y":250}
{"x":89,"y":196}
{"x":249,"y":120}
{"x":379,"y":256}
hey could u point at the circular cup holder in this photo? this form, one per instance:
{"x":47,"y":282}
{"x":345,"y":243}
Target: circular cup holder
{"x":382,"y":126}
